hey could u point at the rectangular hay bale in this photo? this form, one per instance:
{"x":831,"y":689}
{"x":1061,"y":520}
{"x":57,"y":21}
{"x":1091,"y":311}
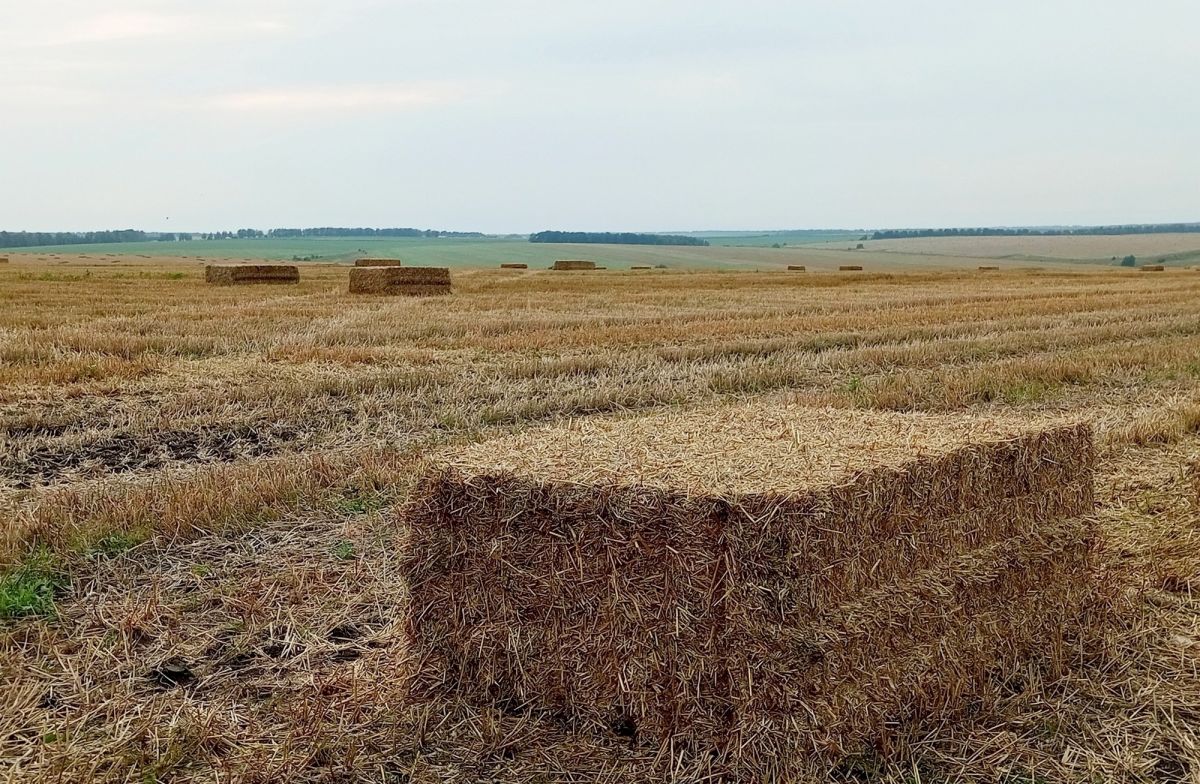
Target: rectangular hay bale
{"x":377,"y":263}
{"x":850,"y":268}
{"x":756,"y":581}
{"x":797,"y":268}
{"x":1153,"y":268}
{"x":989,"y":269}
{"x":514,"y":266}
{"x":403,"y":281}
{"x":238,"y":274}
{"x":573,"y":264}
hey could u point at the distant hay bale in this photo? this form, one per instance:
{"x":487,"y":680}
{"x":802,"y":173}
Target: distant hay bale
{"x":649,"y":577}
{"x":989,"y":269}
{"x":377,"y":263}
{"x":1153,"y":268}
{"x":797,"y":268}
{"x":850,"y":268}
{"x":239,"y":274}
{"x":403,"y":281}
{"x":573,"y":264}
{"x":514,"y":266}
{"x":641,"y":268}
{"x":3,"y":259}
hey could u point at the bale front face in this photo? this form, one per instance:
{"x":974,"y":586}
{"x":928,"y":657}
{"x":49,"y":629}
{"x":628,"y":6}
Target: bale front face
{"x":403,"y":281}
{"x":574,"y":264}
{"x":759,"y":583}
{"x":377,"y":263}
{"x":237,"y":274}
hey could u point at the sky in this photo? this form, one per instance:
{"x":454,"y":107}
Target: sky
{"x":623,"y":115}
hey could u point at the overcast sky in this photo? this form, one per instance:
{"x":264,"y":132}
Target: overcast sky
{"x":618,"y":115}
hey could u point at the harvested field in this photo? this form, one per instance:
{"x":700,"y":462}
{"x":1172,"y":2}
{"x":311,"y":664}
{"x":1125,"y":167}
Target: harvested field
{"x":206,"y":480}
{"x":573,"y":264}
{"x":1079,"y":247}
{"x":238,"y":274}
{"x":404,"y":281}
{"x":635,"y":573}
{"x":377,"y":263}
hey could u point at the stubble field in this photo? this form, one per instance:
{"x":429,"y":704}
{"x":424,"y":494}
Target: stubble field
{"x":198,"y":484}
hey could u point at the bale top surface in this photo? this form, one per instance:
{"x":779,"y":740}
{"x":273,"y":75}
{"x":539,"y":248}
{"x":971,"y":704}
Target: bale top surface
{"x":757,"y":448}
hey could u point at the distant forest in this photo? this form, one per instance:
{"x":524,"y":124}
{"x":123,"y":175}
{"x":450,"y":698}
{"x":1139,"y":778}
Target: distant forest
{"x":29,"y":239}
{"x":1142,"y":228}
{"x":613,"y":238}
{"x":25,"y":239}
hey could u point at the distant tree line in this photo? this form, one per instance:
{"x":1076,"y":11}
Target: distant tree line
{"x":613,"y":238}
{"x":344,"y":232}
{"x":27,"y":239}
{"x":1136,"y":228}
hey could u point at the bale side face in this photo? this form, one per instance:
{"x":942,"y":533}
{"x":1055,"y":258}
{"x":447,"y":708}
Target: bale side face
{"x":761,"y":624}
{"x":1153,"y":268}
{"x":850,"y":268}
{"x":377,"y":263}
{"x":573,"y":264}
{"x":402,"y":281}
{"x":797,"y":268}
{"x":236,"y":274}
{"x":514,"y":266}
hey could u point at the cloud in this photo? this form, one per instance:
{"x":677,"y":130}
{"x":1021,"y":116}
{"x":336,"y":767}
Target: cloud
{"x":142,"y":26}
{"x":312,"y":99}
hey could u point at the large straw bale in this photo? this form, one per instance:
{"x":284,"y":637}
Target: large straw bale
{"x":989,"y":269}
{"x":514,"y":266}
{"x":573,"y":264}
{"x":3,"y":259}
{"x":377,"y":263}
{"x":237,"y":274}
{"x":1153,"y":268}
{"x":850,"y":268}
{"x":797,"y":268}
{"x":408,"y":281}
{"x":759,"y":583}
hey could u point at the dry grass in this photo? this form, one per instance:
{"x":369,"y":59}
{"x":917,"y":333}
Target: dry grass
{"x":206,"y":469}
